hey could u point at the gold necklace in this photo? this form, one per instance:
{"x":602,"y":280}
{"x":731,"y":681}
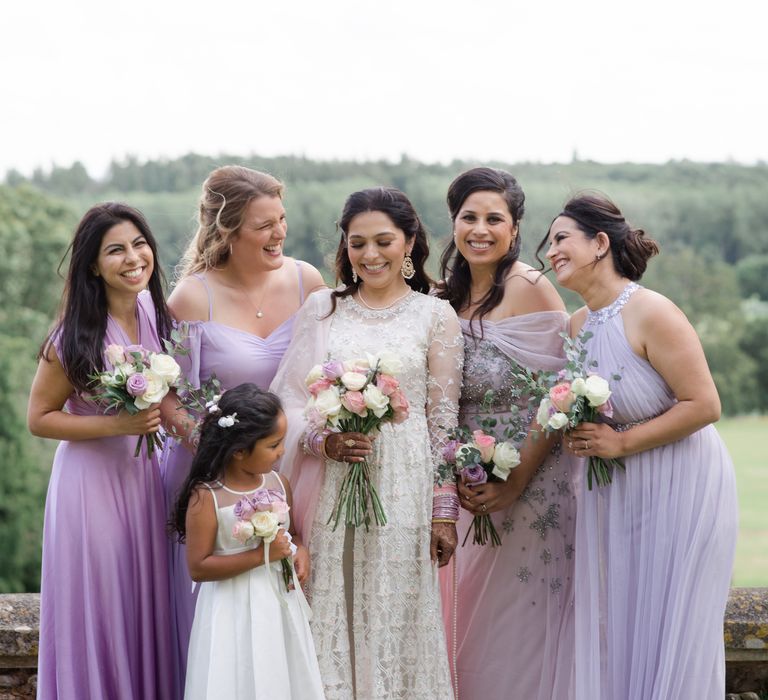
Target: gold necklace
{"x":379,"y":308}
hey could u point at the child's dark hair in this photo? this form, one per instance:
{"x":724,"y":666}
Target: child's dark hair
{"x":257,"y":413}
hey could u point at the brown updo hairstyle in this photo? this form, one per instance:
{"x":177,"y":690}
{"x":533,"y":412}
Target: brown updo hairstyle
{"x":396,"y":206}
{"x":226,"y":194}
{"x":593,"y":213}
{"x":454,"y":268}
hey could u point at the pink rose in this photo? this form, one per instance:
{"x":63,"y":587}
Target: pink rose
{"x":387,"y":384}
{"x":280,"y":509}
{"x":320,"y":385}
{"x":485,"y":443}
{"x":562,"y":397}
{"x":606,"y":409}
{"x":354,"y":402}
{"x":242,"y":531}
{"x":400,"y":406}
{"x":136,"y":385}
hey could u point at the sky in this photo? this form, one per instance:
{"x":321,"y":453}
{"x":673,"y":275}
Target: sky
{"x":437,"y":80}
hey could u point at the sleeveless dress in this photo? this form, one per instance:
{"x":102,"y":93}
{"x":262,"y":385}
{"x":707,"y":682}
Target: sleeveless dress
{"x":655,"y":548}
{"x":514,"y":612}
{"x":104,"y":606}
{"x":246,"y":644}
{"x":375,"y":599}
{"x":234,"y":356}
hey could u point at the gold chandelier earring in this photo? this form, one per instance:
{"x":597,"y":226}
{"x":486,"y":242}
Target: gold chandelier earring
{"x":407,"y":269}
{"x":354,"y":275}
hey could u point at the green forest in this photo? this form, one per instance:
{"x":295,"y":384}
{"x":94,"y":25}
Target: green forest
{"x":710,"y":221}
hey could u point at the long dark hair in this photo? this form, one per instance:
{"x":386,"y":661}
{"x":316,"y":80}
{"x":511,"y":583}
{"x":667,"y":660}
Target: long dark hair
{"x":454,"y":268}
{"x":82,"y":319}
{"x":257,"y":413}
{"x":396,"y":206}
{"x":630,"y":247}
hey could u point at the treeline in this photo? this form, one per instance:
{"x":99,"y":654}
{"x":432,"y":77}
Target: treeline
{"x":709,"y":219}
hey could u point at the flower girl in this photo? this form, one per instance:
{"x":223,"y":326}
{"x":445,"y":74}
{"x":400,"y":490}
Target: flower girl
{"x":250,"y":636}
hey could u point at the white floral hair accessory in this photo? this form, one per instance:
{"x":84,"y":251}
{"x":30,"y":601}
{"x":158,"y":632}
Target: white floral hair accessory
{"x":228,"y":421}
{"x":213,"y":405}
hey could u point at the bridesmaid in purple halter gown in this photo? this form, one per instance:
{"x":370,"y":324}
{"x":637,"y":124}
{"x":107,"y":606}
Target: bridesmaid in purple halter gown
{"x":655,"y":548}
{"x":239,"y":295}
{"x":104,"y":618}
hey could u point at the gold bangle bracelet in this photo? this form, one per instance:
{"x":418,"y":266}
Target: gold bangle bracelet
{"x":444,"y":520}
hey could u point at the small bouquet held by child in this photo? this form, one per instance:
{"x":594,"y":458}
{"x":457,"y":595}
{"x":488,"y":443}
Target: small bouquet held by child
{"x":138,"y":379}
{"x":262,"y":515}
{"x":356,"y":396}
{"x":477,"y":458}
{"x":574,"y":396}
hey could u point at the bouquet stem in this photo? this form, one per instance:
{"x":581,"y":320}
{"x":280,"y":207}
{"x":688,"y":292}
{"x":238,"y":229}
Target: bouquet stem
{"x":153,"y":442}
{"x":484,"y":530}
{"x":601,"y":470}
{"x":356,"y":495}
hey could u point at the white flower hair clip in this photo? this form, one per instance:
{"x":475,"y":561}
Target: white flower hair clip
{"x":228,"y":421}
{"x":213,"y":405}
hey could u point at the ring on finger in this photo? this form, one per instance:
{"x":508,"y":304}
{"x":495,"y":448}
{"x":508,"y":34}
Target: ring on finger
{"x":483,"y":507}
{"x":350,"y":442}
{"x":586,"y":444}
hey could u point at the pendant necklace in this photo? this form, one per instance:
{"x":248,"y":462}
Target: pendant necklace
{"x":258,"y":307}
{"x":380,"y":308}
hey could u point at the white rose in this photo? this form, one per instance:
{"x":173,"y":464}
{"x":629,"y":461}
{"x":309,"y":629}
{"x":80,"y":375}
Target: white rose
{"x":165,"y":366}
{"x":505,"y":458}
{"x":115,"y":354}
{"x":542,"y":415}
{"x":388,"y":362}
{"x":557,"y":421}
{"x":156,"y":390}
{"x":359,"y":363}
{"x":228,"y":421}
{"x":314,"y":374}
{"x":597,"y":390}
{"x":375,"y":400}
{"x":354,"y":381}
{"x":242,"y":531}
{"x":579,"y":386}
{"x":265,"y":525}
{"x":125,"y":370}
{"x":328,"y":403}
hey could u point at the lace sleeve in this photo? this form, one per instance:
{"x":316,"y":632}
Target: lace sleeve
{"x":445,"y":363}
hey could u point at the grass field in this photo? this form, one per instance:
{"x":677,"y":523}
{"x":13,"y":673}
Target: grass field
{"x":748,"y":444}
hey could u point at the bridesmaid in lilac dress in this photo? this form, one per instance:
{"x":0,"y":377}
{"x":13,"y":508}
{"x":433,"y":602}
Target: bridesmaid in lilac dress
{"x":239,"y":295}
{"x":655,"y":548}
{"x":513,"y":604}
{"x":105,"y":618}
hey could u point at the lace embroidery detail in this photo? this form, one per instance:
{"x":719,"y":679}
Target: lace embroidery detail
{"x":607,"y":312}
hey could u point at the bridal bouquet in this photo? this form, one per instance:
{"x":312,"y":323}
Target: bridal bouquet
{"x":138,"y":379}
{"x":262,"y":515}
{"x":575,"y":395}
{"x":475,"y":461}
{"x":356,"y":396}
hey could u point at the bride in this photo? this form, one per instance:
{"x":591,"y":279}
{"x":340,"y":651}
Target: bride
{"x":377,"y":621}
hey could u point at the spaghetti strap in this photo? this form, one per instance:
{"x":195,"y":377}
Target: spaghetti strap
{"x":208,"y":292}
{"x":301,"y":283}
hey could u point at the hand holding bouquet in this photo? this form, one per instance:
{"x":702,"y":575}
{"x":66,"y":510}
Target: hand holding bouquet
{"x":356,"y":396}
{"x":138,"y":379}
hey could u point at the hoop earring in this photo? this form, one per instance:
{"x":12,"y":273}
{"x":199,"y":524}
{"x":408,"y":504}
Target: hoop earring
{"x":407,"y":269}
{"x":354,"y":276}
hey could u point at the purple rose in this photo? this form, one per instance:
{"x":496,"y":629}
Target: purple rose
{"x":243,"y":509}
{"x":276,"y":495}
{"x":141,"y":350}
{"x":474,"y":475}
{"x":136,"y":384}
{"x":333,"y":369}
{"x":261,"y":500}
{"x":449,"y":451}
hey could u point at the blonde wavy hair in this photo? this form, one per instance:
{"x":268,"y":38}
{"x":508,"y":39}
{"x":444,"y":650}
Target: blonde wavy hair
{"x":226,"y":193}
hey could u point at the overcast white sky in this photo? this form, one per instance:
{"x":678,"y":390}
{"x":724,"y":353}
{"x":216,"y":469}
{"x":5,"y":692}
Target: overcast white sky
{"x":647,"y":80}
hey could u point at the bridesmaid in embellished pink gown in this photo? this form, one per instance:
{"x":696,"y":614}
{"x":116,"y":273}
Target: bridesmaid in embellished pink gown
{"x":509,"y":609}
{"x":654,"y":548}
{"x":238,"y":294}
{"x":105,"y":623}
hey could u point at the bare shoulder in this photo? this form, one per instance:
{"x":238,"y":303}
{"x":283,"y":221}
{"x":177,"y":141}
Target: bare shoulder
{"x":311,"y":278}
{"x":200,"y":501}
{"x":189,"y":300}
{"x":648,"y":310}
{"x":527,"y":290}
{"x":578,"y":318}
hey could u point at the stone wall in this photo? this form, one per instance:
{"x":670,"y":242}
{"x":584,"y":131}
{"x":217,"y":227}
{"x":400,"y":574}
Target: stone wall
{"x":746,"y":643}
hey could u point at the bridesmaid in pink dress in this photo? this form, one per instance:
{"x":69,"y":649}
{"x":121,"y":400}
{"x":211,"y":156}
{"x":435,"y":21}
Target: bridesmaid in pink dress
{"x":239,"y":295}
{"x":654,"y":548}
{"x":512,"y":635}
{"x":104,"y":607}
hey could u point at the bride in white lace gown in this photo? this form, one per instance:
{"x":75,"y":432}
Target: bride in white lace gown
{"x":375,"y":599}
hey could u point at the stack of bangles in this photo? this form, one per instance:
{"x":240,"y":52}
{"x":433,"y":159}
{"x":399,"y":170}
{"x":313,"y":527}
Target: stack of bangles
{"x":313,"y":442}
{"x":445,"y":504}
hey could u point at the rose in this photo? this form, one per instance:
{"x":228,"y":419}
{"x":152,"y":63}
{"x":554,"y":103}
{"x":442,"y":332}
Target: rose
{"x":400,"y":406}
{"x":260,"y":501}
{"x":333,"y":369}
{"x":449,"y":451}
{"x":136,"y":385}
{"x":375,"y":400}
{"x":557,"y":420}
{"x":543,"y":412}
{"x":328,"y":403}
{"x":165,"y":366}
{"x":314,"y":374}
{"x":359,"y":364}
{"x":156,"y":390}
{"x":606,"y":409}
{"x":132,"y":350}
{"x":505,"y":458}
{"x":354,"y":402}
{"x":467,"y":454}
{"x":485,"y":444}
{"x":115,"y":354}
{"x":244,"y":509}
{"x":228,"y":421}
{"x":562,"y":397}
{"x":597,"y":391}
{"x":265,"y":525}
{"x":280,"y":509}
{"x":473,"y":475}
{"x":125,"y":370}
{"x":354,"y":381}
{"x":579,"y":386}
{"x":387,"y":384}
{"x":320,"y":385}
{"x":242,"y":531}
{"x":388,"y":362}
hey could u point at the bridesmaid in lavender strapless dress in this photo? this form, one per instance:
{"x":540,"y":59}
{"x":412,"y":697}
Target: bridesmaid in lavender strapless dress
{"x":239,"y":296}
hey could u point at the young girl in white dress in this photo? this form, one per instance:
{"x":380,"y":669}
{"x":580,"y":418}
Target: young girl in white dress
{"x":250,"y":637}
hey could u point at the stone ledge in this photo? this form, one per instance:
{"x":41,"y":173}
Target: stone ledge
{"x":19,"y":629}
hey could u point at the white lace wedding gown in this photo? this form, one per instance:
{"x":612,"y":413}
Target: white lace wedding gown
{"x":374,"y":595}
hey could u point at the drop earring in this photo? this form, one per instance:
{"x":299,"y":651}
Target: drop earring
{"x":407,"y":269}
{"x":354,"y":276}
